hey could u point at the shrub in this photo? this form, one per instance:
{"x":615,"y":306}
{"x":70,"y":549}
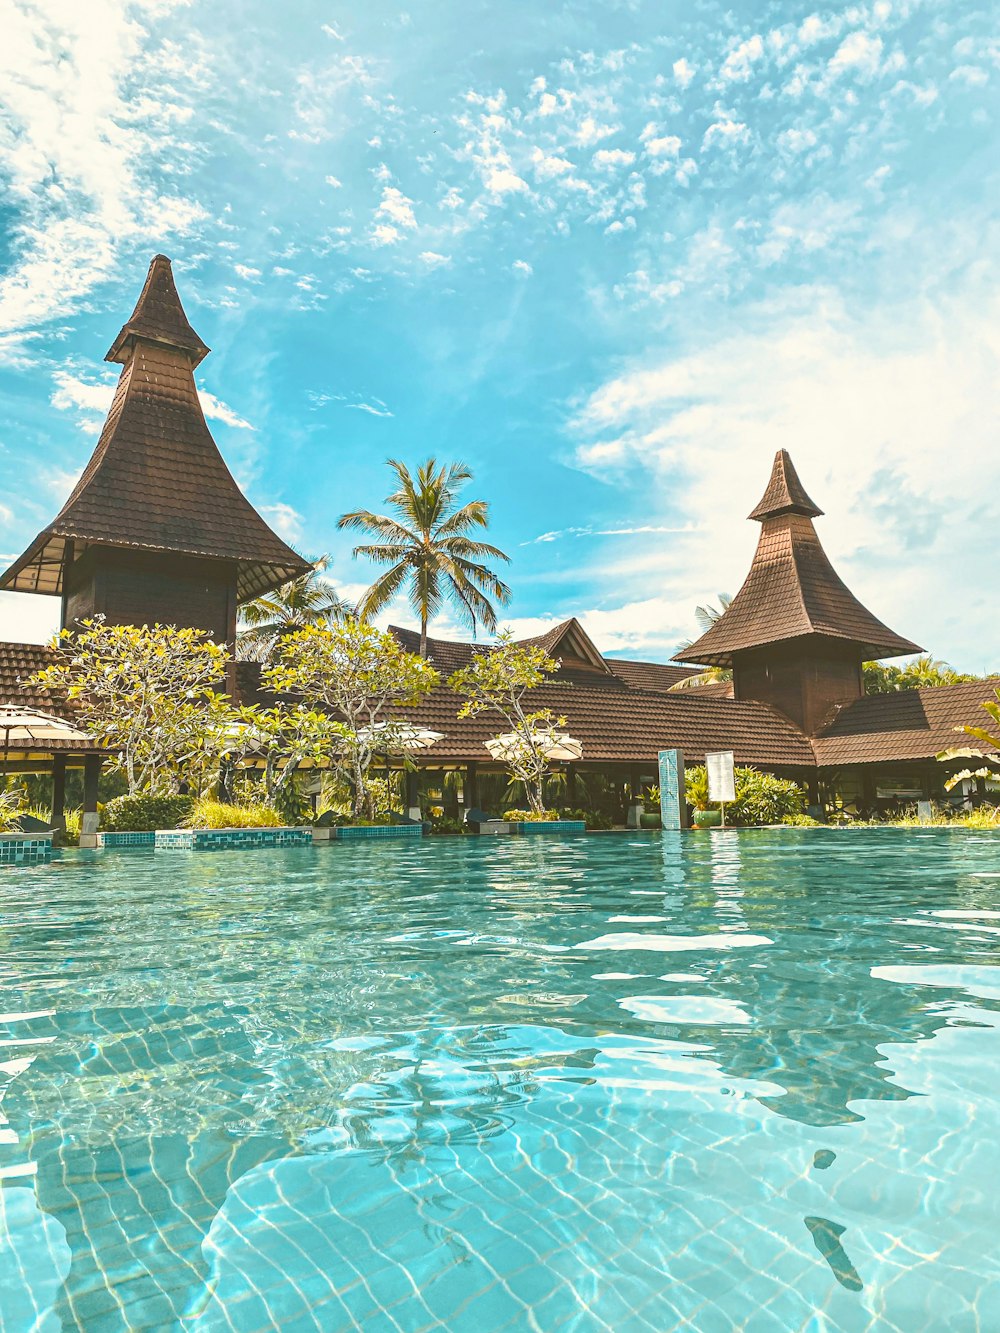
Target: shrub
{"x":445,"y":824}
{"x":761,"y":798}
{"x":801,"y":821}
{"x":529,"y":816}
{"x":651,"y":800}
{"x":143,"y":814}
{"x":216,"y":814}
{"x":592,"y":818}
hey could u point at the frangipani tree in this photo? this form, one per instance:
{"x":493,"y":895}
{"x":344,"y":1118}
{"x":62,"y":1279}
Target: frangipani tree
{"x":150,"y":695}
{"x":989,"y":735}
{"x":360,"y":677}
{"x":497,"y":680}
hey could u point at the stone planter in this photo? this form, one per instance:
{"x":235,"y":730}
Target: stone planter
{"x":650,"y":821}
{"x":25,"y":849}
{"x":230,"y":839}
{"x":707,"y":818}
{"x":493,"y":828}
{"x":377,"y":832}
{"x":533,"y":827}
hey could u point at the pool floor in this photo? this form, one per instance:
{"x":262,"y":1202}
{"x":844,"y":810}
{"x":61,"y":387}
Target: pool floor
{"x":714,"y":1081}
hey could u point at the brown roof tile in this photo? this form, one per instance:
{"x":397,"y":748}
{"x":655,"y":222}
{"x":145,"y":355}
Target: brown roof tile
{"x":906,"y":724}
{"x":18,"y":662}
{"x":156,"y":480}
{"x":792,"y":591}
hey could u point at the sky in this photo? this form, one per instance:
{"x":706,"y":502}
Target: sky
{"x":613,"y":254}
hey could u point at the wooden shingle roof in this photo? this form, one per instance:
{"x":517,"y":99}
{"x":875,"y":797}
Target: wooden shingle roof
{"x":156,"y":480}
{"x":792,"y":591}
{"x":906,"y":724}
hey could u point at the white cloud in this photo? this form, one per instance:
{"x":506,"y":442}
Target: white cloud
{"x":396,"y":208}
{"x":28,"y":619}
{"x":434,"y":260}
{"x":286,"y":521}
{"x":382,"y":234}
{"x":683,"y":73}
{"x":725,"y":133}
{"x":865,"y":409}
{"x":797,"y":141}
{"x":334,"y":182}
{"x":374,"y":409}
{"x":859,"y":53}
{"x":606,"y":159}
{"x":523,"y":267}
{"x":246,"y":272}
{"x":738,"y":64}
{"x":502,"y":180}
{"x":591,"y":131}
{"x":92,"y":399}
{"x":79,"y":151}
{"x":549,"y":165}
{"x":973,"y":75}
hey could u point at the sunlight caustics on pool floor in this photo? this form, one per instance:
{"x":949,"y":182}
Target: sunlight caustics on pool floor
{"x":715,"y":1081}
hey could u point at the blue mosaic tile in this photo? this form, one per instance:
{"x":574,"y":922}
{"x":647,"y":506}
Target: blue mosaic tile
{"x":379,"y":831}
{"x":126,"y":839}
{"x":25,"y":850}
{"x":531,"y":826}
{"x":225,"y":840}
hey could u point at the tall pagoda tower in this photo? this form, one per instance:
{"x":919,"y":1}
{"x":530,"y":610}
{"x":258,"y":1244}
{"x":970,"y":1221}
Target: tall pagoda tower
{"x":156,"y":529}
{"x":794,"y":635}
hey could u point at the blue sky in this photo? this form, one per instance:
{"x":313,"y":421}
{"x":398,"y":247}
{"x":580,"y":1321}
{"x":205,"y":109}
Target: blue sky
{"x":613,"y":255}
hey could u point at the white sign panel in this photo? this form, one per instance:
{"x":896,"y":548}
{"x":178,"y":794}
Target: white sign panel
{"x":721,"y":777}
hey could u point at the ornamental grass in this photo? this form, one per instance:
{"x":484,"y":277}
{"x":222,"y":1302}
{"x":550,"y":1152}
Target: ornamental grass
{"x":218,"y":814}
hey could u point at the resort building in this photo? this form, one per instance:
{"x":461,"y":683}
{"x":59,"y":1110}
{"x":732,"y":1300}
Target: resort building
{"x":156,"y":530}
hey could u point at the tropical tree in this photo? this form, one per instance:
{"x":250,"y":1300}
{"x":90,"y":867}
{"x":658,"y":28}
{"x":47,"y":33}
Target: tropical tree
{"x":427,"y":543}
{"x":497,"y":680}
{"x":989,"y":735}
{"x":309,"y":599}
{"x":150,"y":695}
{"x":922,"y":673}
{"x":706,"y":617}
{"x":360,"y":677}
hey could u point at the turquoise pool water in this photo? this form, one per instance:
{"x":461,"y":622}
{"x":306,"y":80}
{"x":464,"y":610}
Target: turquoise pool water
{"x":720,"y":1081}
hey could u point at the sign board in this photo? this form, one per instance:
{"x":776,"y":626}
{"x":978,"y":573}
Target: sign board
{"x":721,"y":776}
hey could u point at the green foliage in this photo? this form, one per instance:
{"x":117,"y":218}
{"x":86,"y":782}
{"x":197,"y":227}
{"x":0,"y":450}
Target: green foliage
{"x":71,"y":828}
{"x":594,"y":819}
{"x":307,"y":600}
{"x":150,"y":696}
{"x":428,"y":546}
{"x":651,"y":800}
{"x":497,"y":680}
{"x":696,"y":787}
{"x":359,"y":676}
{"x":529,"y":816}
{"x":445,"y":824}
{"x":10,"y":807}
{"x":761,"y":798}
{"x":922,"y":673}
{"x":801,"y":821}
{"x":206,"y":813}
{"x":143,"y":814}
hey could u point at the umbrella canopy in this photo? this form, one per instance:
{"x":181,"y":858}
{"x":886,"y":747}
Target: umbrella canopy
{"x":402,"y":736}
{"x":557,"y":746}
{"x":25,"y":725}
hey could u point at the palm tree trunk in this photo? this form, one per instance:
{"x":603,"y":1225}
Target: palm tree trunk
{"x":423,"y":635}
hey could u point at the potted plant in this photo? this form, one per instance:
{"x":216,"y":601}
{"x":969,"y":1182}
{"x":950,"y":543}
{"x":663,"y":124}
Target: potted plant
{"x":696,"y":793}
{"x":650,"y":817}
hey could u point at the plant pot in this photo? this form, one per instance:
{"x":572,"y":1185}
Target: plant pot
{"x":707,"y":818}
{"x":649,"y":821}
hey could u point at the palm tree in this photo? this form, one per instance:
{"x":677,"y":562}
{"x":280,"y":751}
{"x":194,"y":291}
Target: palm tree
{"x":706,"y":617}
{"x":307,"y":600}
{"x":427,"y":545}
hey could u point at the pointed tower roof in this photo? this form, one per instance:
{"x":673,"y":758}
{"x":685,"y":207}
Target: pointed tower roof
{"x":785,"y":494}
{"x":156,"y":481}
{"x":158,"y":317}
{"x":792,"y":591}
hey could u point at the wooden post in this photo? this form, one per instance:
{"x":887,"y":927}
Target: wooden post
{"x":59,"y":792}
{"x":471,"y":785}
{"x":634,"y":811}
{"x":412,"y":799}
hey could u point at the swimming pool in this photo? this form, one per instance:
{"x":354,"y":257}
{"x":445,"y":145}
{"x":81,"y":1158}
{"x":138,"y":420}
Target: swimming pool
{"x":715,"y":1081}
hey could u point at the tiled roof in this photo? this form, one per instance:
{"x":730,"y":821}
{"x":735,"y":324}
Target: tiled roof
{"x":785,"y":494}
{"x":792,"y":592}
{"x":156,"y":480}
{"x":158,"y":316}
{"x":658,"y":676}
{"x":19,"y":661}
{"x":906,"y":724}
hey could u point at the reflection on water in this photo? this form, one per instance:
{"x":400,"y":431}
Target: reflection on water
{"x":466,"y":1086}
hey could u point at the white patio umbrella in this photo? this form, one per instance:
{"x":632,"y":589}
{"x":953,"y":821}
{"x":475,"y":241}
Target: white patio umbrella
{"x":403,"y":737}
{"x":25,"y":725}
{"x":559,"y":746}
